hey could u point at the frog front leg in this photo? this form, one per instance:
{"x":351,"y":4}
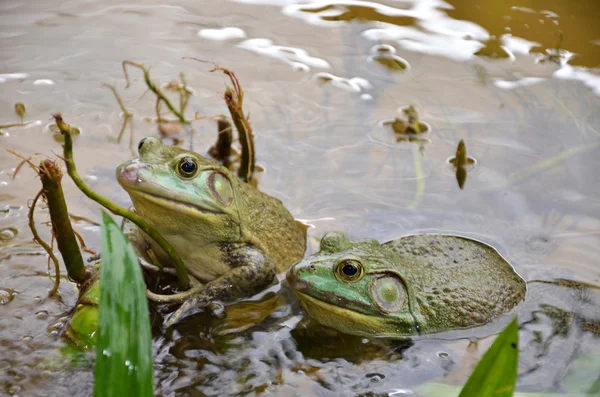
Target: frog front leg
{"x":252,"y":271}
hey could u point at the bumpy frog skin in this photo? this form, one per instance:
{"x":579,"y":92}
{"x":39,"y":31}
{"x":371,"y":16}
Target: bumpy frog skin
{"x":229,"y":235}
{"x":414,"y":285}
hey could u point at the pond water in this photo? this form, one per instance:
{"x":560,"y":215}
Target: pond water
{"x":517,"y":81}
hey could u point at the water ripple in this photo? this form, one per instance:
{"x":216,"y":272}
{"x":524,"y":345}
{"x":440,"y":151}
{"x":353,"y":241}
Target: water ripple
{"x":354,"y":84}
{"x":296,"y":57}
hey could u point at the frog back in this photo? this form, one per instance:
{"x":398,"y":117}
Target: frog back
{"x":268,"y":225}
{"x":455,"y":282}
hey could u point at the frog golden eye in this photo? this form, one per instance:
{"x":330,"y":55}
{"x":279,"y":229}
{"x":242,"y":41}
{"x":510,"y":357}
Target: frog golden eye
{"x":220,"y":188}
{"x":349,"y":270}
{"x":187,"y":167}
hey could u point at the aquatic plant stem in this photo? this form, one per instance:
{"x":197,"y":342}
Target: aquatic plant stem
{"x":234,"y":99}
{"x":20,"y":124}
{"x":115,"y":209}
{"x":155,"y":89}
{"x":62,"y":229}
{"x":127,"y":115}
{"x":419,"y":177}
{"x":221,"y":150}
{"x":44,"y":245}
{"x":184,"y":94}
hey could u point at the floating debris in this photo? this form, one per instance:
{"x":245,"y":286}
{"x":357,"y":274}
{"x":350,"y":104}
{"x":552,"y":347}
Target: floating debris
{"x":8,"y":234}
{"x":556,"y":55}
{"x":7,"y":295}
{"x":462,"y":163}
{"x":386,"y":55}
{"x":408,"y":127}
{"x":410,"y":124}
{"x":57,"y":135}
{"x":20,"y":110}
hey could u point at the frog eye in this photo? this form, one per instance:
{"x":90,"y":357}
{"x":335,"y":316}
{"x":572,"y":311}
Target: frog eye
{"x":187,"y":167}
{"x":220,"y":187}
{"x":349,"y":270}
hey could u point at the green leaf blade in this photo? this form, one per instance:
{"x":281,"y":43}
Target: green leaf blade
{"x":124,"y":364}
{"x":496,"y":373}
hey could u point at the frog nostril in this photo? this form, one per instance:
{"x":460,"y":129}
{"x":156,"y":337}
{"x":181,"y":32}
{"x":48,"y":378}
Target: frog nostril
{"x":141,"y":144}
{"x":299,"y":285}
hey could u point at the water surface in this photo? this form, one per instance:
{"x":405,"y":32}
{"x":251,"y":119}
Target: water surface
{"x":495,"y":74}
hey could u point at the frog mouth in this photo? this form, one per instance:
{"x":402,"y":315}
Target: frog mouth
{"x":177,"y":205}
{"x":346,"y":319}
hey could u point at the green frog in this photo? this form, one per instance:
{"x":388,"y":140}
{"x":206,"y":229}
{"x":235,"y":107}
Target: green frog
{"x":230,"y":236}
{"x":410,"y":286}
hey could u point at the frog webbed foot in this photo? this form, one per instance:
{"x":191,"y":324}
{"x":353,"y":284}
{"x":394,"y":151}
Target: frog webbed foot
{"x":217,"y":309}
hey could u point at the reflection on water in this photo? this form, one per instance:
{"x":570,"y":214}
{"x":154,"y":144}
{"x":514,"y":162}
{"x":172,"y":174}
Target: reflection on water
{"x":296,"y":57}
{"x":222,"y":34}
{"x":539,"y":22}
{"x":474,"y":75}
{"x":355,"y":84}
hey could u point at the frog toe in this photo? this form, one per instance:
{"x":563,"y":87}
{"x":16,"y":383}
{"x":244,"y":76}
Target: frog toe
{"x":183,"y":311}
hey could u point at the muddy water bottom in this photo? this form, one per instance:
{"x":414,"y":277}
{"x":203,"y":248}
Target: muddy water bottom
{"x":321,"y":79}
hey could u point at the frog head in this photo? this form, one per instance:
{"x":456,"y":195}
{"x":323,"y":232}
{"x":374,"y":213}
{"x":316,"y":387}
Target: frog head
{"x":185,"y":196}
{"x":354,"y":287}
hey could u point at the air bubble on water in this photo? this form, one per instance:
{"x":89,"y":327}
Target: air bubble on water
{"x":6,"y":296}
{"x":8,"y":234}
